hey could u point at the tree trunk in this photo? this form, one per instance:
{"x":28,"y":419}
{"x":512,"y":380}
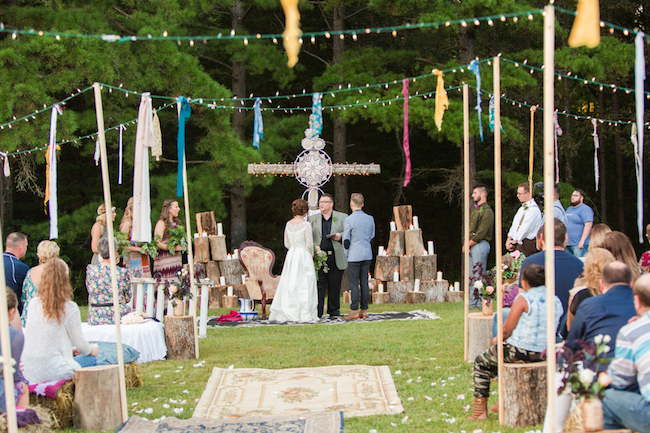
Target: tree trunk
{"x":341,"y":198}
{"x":620,"y":202}
{"x":603,"y":169}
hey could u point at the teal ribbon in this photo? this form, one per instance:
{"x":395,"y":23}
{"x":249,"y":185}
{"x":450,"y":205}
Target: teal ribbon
{"x":474,"y":68}
{"x":184,"y":113}
{"x":258,"y":124}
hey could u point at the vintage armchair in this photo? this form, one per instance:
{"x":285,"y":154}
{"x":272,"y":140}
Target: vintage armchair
{"x":258,"y":262}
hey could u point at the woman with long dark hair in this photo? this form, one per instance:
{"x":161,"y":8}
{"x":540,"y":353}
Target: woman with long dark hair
{"x":166,"y":264}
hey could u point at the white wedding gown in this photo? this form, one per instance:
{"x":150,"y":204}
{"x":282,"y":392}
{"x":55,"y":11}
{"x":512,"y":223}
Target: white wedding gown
{"x":296,"y":299}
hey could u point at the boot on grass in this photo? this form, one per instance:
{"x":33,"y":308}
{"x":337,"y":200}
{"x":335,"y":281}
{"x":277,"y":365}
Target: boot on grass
{"x":480,"y":409}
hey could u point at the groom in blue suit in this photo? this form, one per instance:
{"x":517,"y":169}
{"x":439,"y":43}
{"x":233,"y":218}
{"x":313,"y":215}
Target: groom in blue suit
{"x":358,"y":233}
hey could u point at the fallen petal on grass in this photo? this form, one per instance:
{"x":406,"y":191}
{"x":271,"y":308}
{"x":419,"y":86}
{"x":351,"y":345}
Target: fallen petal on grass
{"x":405,"y":419}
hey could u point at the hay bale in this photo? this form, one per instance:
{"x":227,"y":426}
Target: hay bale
{"x":48,"y":423}
{"x":62,"y":407}
{"x":132,"y":376}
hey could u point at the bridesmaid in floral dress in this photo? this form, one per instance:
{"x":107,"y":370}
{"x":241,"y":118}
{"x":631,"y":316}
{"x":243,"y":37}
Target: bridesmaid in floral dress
{"x":166,"y":264}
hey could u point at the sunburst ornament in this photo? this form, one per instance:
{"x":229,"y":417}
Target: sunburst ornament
{"x":313,"y":166}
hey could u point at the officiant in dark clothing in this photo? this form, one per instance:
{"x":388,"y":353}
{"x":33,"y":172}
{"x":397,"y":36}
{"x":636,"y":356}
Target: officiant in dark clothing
{"x":329,"y":223}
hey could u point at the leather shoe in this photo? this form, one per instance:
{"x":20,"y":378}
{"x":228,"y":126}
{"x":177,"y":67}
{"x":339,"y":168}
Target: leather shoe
{"x":354,"y":315}
{"x":363,"y":314}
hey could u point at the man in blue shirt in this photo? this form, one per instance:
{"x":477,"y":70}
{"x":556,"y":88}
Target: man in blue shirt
{"x":580,"y":219}
{"x":558,"y":209}
{"x":358,"y":233}
{"x":15,"y":270}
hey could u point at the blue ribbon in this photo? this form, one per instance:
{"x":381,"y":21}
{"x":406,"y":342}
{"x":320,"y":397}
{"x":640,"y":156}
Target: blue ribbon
{"x":491,"y":116}
{"x":316,"y":117}
{"x":474,"y":67}
{"x":258,"y":125}
{"x":183,"y":114}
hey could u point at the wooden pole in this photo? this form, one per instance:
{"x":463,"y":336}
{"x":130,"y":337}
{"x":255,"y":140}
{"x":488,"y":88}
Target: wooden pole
{"x":549,"y":230}
{"x":111,"y":244}
{"x":466,"y":211}
{"x":498,"y":235}
{"x":531,"y":151}
{"x":7,"y":373}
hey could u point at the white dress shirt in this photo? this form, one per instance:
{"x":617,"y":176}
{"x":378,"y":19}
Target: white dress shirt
{"x":526,"y":223}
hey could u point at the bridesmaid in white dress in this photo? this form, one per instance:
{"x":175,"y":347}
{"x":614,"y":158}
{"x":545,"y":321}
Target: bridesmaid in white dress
{"x":296,"y":299}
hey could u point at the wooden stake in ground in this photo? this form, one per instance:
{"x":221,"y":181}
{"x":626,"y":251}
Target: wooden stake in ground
{"x":5,"y":344}
{"x":466,"y":213}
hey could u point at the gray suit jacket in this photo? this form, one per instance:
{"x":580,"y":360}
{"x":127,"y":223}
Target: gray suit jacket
{"x":337,"y":227}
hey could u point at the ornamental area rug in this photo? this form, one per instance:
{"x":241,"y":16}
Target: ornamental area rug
{"x":357,"y":390}
{"x":324,"y":422}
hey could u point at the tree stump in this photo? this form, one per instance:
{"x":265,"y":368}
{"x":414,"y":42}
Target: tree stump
{"x":455,"y":296}
{"x":214,"y":297}
{"x":205,"y":222}
{"x":385,"y":266}
{"x":524,"y":394}
{"x":179,"y":336}
{"x":212,"y":270}
{"x":232,"y":270}
{"x":414,"y":243}
{"x":238,"y":290}
{"x":380,"y":298}
{"x":426,"y":267}
{"x":373,"y":287}
{"x":97,"y":398}
{"x":218,"y":247}
{"x":403,"y":216}
{"x":397,"y":291}
{"x":229,"y":302}
{"x":347,"y":297}
{"x":396,"y":244}
{"x":434,"y":291}
{"x":202,"y":250}
{"x":406,"y":268}
{"x":415,"y":297}
{"x":480,"y":334}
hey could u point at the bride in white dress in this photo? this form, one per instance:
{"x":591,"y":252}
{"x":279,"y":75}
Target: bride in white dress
{"x":296,"y":299}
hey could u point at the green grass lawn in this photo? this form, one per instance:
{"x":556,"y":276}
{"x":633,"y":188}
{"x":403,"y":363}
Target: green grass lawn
{"x":424,"y":356}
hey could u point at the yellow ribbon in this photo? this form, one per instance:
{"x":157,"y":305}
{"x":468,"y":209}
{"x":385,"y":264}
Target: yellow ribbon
{"x":291,"y":30}
{"x":586,"y":27}
{"x":442,"y":102}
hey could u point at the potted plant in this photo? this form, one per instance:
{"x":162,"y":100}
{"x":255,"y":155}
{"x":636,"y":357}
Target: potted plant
{"x":483,"y":284}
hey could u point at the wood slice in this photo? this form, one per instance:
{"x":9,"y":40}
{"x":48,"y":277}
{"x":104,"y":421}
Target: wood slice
{"x":435,"y":291}
{"x":232,"y":270}
{"x":201,"y":250}
{"x":229,"y":302}
{"x":524,"y":394}
{"x":97,"y":398}
{"x":406,"y":268}
{"x":455,"y":296}
{"x":205,"y":223}
{"x":397,"y":291}
{"x":396,"y":244}
{"x":381,"y":298}
{"x":403,"y":216}
{"x":480,"y":334}
{"x":385,"y":266}
{"x":426,"y":267}
{"x":218,"y":247}
{"x":213,"y":271}
{"x":179,"y":336}
{"x":414,"y":243}
{"x":415,"y":297}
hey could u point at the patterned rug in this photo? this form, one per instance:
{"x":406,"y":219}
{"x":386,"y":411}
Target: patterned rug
{"x":323,"y":422}
{"x":357,"y":390}
{"x":372,"y":317}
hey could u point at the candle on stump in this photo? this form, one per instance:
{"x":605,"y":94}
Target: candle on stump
{"x":228,"y":257}
{"x":381,"y":251}
{"x":235,"y":253}
{"x":424,"y":253}
{"x":416,"y":285}
{"x":411,"y":227}
{"x":196,"y":235}
{"x":456,"y":286}
{"x":230,"y":291}
{"x":395,"y":276}
{"x":243,"y":279}
{"x":430,"y":248}
{"x":416,"y":223}
{"x":219,"y":229}
{"x":204,"y":234}
{"x":222,"y":281}
{"x":393,"y":226}
{"x":439,"y":276}
{"x":380,"y":287}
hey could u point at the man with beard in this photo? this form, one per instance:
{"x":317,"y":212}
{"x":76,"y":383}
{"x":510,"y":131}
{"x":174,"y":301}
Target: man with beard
{"x":481,"y":229}
{"x":580,"y":219}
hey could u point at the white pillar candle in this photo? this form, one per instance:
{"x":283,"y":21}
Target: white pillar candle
{"x":236,"y":253}
{"x":456,"y":286}
{"x":369,"y":277}
{"x":430,"y":248}
{"x":424,"y":253}
{"x":381,"y":251}
{"x":439,"y":276}
{"x":393,"y":227}
{"x":380,"y":288}
{"x":395,"y":276}
{"x":416,"y":223}
{"x":219,"y":229}
{"x":196,"y":235}
{"x":411,"y":227}
{"x":228,"y":257}
{"x":243,"y":279}
{"x":230,"y":291}
{"x":222,"y":281}
{"x":416,"y":285}
{"x":204,"y":234}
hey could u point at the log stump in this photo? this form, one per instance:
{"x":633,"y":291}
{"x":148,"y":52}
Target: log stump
{"x":414,"y":243}
{"x":396,"y":245}
{"x":403,"y":216}
{"x":218,"y":247}
{"x":214,"y":297}
{"x":434,"y":290}
{"x":384,"y":267}
{"x":212,"y":270}
{"x":455,"y":296}
{"x":397,"y":291}
{"x":373,"y":287}
{"x":232,"y":270}
{"x":238,"y":290}
{"x":202,"y":250}
{"x":426,"y":267}
{"x":380,"y":298}
{"x":480,"y":335}
{"x":406,"y":268}
{"x":347,"y":297}
{"x":179,"y":337}
{"x":415,"y":297}
{"x":524,"y":394}
{"x":205,"y":222}
{"x":97,"y":398}
{"x":229,"y":302}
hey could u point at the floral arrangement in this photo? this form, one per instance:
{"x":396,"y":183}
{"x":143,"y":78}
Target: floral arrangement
{"x":177,"y":236}
{"x":123,"y":244}
{"x":150,"y":248}
{"x":320,"y":260}
{"x":511,"y":271}
{"x":581,"y":367}
{"x":483,"y":283}
{"x":183,"y":289}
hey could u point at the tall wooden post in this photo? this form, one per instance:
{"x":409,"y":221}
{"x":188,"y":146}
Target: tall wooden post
{"x":466,"y":211}
{"x":7,"y":373}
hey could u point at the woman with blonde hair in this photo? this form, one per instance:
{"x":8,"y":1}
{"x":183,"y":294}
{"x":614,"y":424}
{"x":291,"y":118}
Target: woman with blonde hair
{"x":167,"y":264}
{"x":54,"y":326}
{"x":99,"y":231}
{"x":620,"y":246}
{"x":137,"y":263}
{"x":597,"y":235}
{"x":46,"y":250}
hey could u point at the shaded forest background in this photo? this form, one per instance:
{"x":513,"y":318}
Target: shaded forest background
{"x":37,"y":71}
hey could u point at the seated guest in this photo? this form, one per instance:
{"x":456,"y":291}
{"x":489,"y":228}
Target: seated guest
{"x":54,"y":326}
{"x":15,"y":270}
{"x":624,"y":409}
{"x":597,"y":235}
{"x":100,"y":290}
{"x":524,"y":336}
{"x":46,"y":250}
{"x":620,"y":246}
{"x":644,"y":261}
{"x":21,"y":393}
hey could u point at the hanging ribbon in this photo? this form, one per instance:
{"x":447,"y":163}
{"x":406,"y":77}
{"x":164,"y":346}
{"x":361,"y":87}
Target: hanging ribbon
{"x":442,"y":102}
{"x":96,"y":155}
{"x":184,"y":112}
{"x":639,"y":78}
{"x":50,"y":170}
{"x":316,"y":116}
{"x":491,"y":115}
{"x":292,"y":30}
{"x":596,"y":147}
{"x":7,"y":170}
{"x":531,"y":152}
{"x":407,"y":150}
{"x":586,"y":27}
{"x":258,"y":125}
{"x":558,"y":133}
{"x":119,"y":167}
{"x":141,"y":221}
{"x":474,"y":67}
{"x":156,"y":147}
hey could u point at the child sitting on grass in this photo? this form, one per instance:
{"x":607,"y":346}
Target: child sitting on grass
{"x":21,"y":392}
{"x":524,"y":334}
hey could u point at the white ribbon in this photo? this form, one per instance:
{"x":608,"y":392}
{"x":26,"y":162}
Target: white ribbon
{"x":639,"y":78}
{"x":558,"y":133}
{"x":119,"y":169}
{"x":97,"y":151}
{"x":7,"y":170}
{"x":596,"y":147}
{"x":53,"y":205}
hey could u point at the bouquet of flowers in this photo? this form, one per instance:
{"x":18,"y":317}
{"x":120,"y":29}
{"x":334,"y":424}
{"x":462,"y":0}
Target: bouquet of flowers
{"x":483,"y":283}
{"x":320,"y":260}
{"x":177,"y":236}
{"x":181,"y":290}
{"x":511,"y":266}
{"x":581,"y":367}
